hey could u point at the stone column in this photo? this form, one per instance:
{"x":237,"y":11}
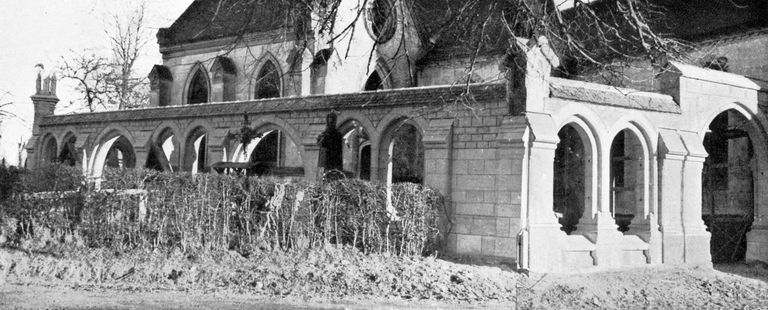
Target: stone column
{"x":672,"y":154}
{"x":697,"y":237}
{"x":142,"y":153}
{"x":545,"y":239}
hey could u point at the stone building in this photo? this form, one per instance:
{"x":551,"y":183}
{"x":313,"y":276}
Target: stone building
{"x":554,"y":174}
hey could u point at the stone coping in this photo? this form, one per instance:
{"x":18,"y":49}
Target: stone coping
{"x":714,"y":76}
{"x":612,"y":96}
{"x":418,"y":96}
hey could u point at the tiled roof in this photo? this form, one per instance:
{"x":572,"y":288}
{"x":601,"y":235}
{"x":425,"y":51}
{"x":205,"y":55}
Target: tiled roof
{"x":213,"y":19}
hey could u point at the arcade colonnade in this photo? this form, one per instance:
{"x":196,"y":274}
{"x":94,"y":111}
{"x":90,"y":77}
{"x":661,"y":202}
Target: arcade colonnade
{"x":553,"y":174}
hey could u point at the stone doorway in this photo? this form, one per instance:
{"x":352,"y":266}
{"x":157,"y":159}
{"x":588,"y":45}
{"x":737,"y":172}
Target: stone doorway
{"x":728,"y":187}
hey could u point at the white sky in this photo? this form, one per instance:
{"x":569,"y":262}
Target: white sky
{"x":42,"y":31}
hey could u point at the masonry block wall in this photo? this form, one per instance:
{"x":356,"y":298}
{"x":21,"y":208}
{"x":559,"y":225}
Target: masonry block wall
{"x":463,"y":154}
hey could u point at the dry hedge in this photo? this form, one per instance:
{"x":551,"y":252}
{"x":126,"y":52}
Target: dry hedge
{"x":143,"y":209}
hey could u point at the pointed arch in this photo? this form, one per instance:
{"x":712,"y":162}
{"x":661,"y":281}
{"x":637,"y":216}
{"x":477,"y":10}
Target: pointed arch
{"x":577,"y":156}
{"x":114,"y":147}
{"x":734,"y":187}
{"x":49,"y":149}
{"x":68,"y":150}
{"x":357,"y":148}
{"x":197,"y":88}
{"x":195,"y":146}
{"x":268,"y":78}
{"x":223,"y":79}
{"x":380,"y":77}
{"x":401,"y":150}
{"x":164,"y":148}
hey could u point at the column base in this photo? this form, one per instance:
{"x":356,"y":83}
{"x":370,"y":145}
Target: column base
{"x":673,"y":247}
{"x":697,"y":247}
{"x":545,"y":244}
{"x":757,"y":244}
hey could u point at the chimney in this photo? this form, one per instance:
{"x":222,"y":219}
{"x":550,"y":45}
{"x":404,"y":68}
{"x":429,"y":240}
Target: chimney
{"x":44,"y":98}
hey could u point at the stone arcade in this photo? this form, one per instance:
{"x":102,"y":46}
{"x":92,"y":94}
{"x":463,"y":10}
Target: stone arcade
{"x":553,"y":174}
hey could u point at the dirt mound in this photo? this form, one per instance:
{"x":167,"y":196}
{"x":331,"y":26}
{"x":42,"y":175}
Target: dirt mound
{"x":328,"y":273}
{"x":343,"y":273}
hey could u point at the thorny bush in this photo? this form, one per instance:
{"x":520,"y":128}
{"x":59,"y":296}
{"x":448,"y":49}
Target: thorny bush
{"x":148,"y":210}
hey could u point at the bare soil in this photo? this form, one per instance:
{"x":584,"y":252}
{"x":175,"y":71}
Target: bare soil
{"x":347,"y":279}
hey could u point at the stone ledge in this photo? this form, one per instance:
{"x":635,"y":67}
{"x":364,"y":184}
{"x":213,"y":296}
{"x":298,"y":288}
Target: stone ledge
{"x":612,"y":96}
{"x":418,"y":96}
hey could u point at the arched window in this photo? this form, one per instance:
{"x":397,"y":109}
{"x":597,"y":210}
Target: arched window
{"x":382,"y":20}
{"x":628,"y":189}
{"x":49,"y":150}
{"x":569,"y":188}
{"x":374,"y":82}
{"x":318,"y":71}
{"x":198,"y":88}
{"x":68,"y":155}
{"x":406,"y":155}
{"x":268,"y":81}
{"x":728,"y":186}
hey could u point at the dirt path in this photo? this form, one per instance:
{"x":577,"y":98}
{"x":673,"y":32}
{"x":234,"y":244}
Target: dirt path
{"x":13,"y":296}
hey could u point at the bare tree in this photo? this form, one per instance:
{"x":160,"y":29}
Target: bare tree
{"x":5,"y":103}
{"x":128,"y":37}
{"x":587,"y":34}
{"x":92,"y":73}
{"x":109,"y":82}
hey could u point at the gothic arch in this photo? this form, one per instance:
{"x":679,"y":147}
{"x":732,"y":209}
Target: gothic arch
{"x":197,"y":75}
{"x":259,"y":77}
{"x":392,"y":126}
{"x":644,"y":173}
{"x":198,"y":132}
{"x":105,"y":141}
{"x":383,"y":76}
{"x":592,"y":153}
{"x":49,"y":149}
{"x":223,"y":79}
{"x":759,"y":142}
{"x":359,"y":147}
{"x":165,"y":147}
{"x":67,"y":153}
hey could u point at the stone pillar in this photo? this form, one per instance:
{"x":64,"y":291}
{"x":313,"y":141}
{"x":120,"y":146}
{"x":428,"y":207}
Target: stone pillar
{"x":511,"y":153}
{"x":44,"y":101}
{"x":697,"y":237}
{"x":142,"y":153}
{"x":223,"y":73}
{"x":215,"y":154}
{"x":437,"y":155}
{"x":160,"y":82}
{"x":672,"y":154}
{"x":545,"y":239}
{"x":529,"y":65}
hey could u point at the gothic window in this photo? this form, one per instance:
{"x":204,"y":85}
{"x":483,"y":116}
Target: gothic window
{"x":382,"y":20}
{"x":268,"y":81}
{"x":374,"y":82}
{"x":198,"y":89}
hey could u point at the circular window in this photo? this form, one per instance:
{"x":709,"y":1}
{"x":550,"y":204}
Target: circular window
{"x":382,"y":20}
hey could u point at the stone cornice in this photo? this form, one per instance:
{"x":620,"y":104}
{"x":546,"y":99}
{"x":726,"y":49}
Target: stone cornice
{"x":419,"y":96}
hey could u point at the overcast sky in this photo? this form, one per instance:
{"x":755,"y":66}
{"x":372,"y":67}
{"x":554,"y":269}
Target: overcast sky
{"x":42,"y":31}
